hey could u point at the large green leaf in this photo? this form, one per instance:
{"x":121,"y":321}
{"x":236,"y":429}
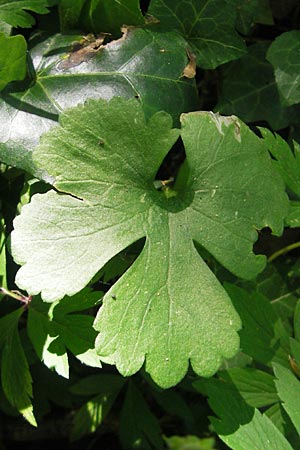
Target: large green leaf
{"x":168,"y":305}
{"x":143,"y":64}
{"x":250,"y":91}
{"x":13,"y":12}
{"x":284,"y":55}
{"x":56,"y":329}
{"x":12,"y":59}
{"x":239,"y":425}
{"x":250,"y":12}
{"x":208,"y":26}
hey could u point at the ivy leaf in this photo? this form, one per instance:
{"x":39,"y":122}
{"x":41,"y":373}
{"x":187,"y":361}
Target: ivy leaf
{"x":12,"y":59}
{"x":239,"y":425}
{"x":14,"y":12}
{"x":168,"y":305}
{"x":56,"y":329}
{"x":250,"y":12}
{"x":283,"y":54}
{"x":15,"y":375}
{"x":208,"y":26}
{"x":143,"y":64}
{"x":288,"y":388}
{"x":250,"y":91}
{"x":100,"y":16}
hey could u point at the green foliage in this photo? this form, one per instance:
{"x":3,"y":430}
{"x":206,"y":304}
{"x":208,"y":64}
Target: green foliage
{"x":12,"y":59}
{"x":148,"y":233}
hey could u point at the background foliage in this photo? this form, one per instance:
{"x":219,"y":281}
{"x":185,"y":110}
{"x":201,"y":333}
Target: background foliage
{"x":128,"y":61}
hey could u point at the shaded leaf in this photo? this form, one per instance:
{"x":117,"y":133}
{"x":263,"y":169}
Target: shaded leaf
{"x":239,"y":425}
{"x":92,"y":413}
{"x":143,"y":64}
{"x":114,"y":203}
{"x":208,"y":26}
{"x":250,"y":91}
{"x":250,"y":12}
{"x":15,"y":374}
{"x":14,"y":12}
{"x":53,"y":331}
{"x":256,"y":387}
{"x":12,"y":59}
{"x":263,"y":335}
{"x":288,"y":388}
{"x":284,"y":55}
{"x":139,"y":428}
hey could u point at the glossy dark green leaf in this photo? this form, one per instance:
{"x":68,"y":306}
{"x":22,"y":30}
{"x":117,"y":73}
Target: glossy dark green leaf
{"x":263,"y":335}
{"x":250,"y":91}
{"x":98,"y":16}
{"x":12,"y":59}
{"x":208,"y":26}
{"x":139,"y":428}
{"x":284,"y":55}
{"x":250,"y":12}
{"x":14,"y":12}
{"x":142,"y":64}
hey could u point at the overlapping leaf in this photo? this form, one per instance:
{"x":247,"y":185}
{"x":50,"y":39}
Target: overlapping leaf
{"x":12,"y":59}
{"x":283,"y":54}
{"x":100,"y":16}
{"x":14,"y":12}
{"x":208,"y":26}
{"x":54,"y":330}
{"x":168,"y":305}
{"x":250,"y":91}
{"x":143,"y":64}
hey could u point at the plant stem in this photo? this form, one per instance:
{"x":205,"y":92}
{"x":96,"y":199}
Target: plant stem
{"x":284,"y":250}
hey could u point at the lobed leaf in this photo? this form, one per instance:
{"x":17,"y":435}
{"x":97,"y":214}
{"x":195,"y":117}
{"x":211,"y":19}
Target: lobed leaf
{"x":168,"y":305}
{"x":14,"y":12}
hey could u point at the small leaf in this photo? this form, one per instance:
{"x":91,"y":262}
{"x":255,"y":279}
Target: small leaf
{"x":189,"y":442}
{"x":256,"y":387}
{"x":168,"y":305}
{"x":208,"y":26}
{"x":12,"y":59}
{"x":263,"y":335}
{"x":250,"y":12}
{"x":287,"y":161}
{"x":250,"y":91}
{"x":283,"y":54}
{"x":288,"y":388}
{"x":14,"y":12}
{"x":139,"y":428}
{"x":91,"y":414}
{"x":239,"y":425}
{"x":15,"y":374}
{"x":53,"y":331}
